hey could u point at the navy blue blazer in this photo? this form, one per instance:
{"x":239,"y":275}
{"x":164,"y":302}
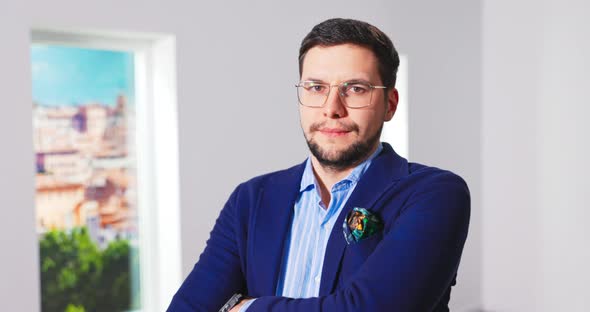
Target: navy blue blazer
{"x":409,"y":266}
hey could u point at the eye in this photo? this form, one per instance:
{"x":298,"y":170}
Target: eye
{"x":357,"y":89}
{"x":314,"y":87}
{"x":317,"y":88}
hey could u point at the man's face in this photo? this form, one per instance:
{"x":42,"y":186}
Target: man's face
{"x":340,"y":137}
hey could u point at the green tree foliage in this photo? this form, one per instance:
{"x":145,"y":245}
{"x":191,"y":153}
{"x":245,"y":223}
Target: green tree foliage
{"x":74,"y":308}
{"x":77,"y":276}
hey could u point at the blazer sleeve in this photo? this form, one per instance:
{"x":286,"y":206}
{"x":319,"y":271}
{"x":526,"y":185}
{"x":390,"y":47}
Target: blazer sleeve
{"x":218,"y":274}
{"x":414,"y":264}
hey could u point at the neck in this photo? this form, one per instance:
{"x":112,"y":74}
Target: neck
{"x":327,"y":176}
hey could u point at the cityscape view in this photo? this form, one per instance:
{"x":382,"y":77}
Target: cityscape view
{"x":84,"y":175}
{"x":85,"y":201}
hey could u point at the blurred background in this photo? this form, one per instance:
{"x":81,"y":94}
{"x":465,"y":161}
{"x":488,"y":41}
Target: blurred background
{"x":496,"y":92}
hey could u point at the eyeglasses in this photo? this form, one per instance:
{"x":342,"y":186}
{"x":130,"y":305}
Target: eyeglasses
{"x":354,"y":94}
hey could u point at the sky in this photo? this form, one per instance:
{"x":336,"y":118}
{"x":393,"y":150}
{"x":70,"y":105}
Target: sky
{"x":75,"y":76}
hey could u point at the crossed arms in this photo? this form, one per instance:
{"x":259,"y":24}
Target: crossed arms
{"x":411,"y":268}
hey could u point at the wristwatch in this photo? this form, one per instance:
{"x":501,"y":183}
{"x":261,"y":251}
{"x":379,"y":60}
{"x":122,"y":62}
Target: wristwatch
{"x":235,"y":299}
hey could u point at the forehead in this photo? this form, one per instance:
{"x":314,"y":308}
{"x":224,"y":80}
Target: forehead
{"x":340,"y":63}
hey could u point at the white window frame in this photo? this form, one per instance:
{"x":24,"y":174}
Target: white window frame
{"x":156,"y":151}
{"x":396,"y":131}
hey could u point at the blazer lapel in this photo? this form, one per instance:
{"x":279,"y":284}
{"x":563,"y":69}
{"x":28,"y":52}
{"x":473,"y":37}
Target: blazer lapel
{"x":274,"y":213}
{"x":386,"y":168}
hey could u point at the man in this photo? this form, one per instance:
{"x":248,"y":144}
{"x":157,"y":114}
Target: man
{"x":353,"y":228}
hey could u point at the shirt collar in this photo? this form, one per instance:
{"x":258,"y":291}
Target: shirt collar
{"x":308,"y":179}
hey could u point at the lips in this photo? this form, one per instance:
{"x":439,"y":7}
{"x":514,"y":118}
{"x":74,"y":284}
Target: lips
{"x":338,"y":129}
{"x":333,"y":132}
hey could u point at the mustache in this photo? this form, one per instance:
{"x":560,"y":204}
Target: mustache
{"x":339,"y":125}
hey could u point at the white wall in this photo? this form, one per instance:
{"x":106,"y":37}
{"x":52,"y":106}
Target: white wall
{"x":564,"y":152}
{"x":228,"y":132}
{"x":510,"y":210}
{"x":535,"y":154}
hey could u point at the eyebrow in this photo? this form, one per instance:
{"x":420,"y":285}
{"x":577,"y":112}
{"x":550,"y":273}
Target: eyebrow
{"x":352,"y":81}
{"x":314,"y":80}
{"x":346,"y":81}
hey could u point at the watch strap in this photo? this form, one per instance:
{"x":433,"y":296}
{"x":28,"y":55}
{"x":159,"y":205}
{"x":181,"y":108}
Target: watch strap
{"x":235,"y":299}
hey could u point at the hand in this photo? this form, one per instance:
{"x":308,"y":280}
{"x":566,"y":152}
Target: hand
{"x":237,"y":307}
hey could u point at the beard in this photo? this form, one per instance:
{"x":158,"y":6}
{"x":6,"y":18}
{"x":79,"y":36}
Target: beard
{"x":351,"y":156}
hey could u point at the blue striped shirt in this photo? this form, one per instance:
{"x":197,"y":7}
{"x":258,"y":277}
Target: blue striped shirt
{"x":310,"y":230}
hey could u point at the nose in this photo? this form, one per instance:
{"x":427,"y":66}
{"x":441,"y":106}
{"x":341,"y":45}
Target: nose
{"x":334,"y":107}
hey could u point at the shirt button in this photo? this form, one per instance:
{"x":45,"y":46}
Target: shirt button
{"x":317,"y":279}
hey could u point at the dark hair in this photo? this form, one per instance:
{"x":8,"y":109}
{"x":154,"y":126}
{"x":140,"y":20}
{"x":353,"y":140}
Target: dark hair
{"x":337,"y":31}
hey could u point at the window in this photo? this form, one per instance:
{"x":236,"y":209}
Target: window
{"x":395,"y":132}
{"x":102,"y":236}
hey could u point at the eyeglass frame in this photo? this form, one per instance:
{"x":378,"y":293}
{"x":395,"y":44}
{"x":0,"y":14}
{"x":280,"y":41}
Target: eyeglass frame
{"x":371,"y":86}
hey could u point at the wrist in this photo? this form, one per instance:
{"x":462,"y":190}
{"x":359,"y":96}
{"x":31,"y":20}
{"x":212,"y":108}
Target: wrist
{"x":242,"y":305}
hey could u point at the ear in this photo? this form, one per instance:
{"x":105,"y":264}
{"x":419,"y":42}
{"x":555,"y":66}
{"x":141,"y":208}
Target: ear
{"x":392,"y":99}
